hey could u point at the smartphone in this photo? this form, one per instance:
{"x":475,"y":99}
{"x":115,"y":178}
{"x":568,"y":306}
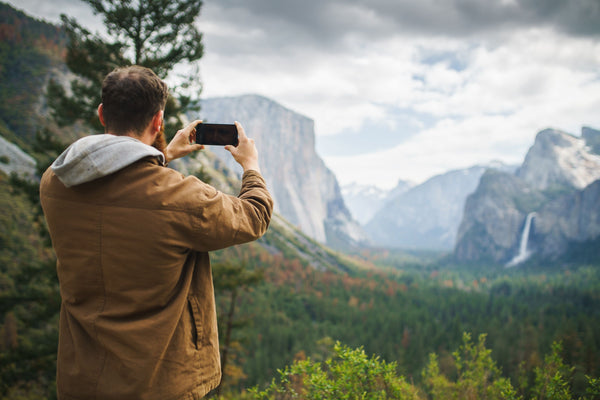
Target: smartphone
{"x":216,"y":134}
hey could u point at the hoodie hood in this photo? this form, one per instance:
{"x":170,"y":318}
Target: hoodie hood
{"x":96,"y":156}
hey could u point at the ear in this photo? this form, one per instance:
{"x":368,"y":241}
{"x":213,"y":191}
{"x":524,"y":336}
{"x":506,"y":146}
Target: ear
{"x":157,"y":121}
{"x":101,"y":114}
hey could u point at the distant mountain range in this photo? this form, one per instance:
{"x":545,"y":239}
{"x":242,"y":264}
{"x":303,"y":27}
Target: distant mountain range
{"x":424,"y":216}
{"x":364,"y":201}
{"x":480,"y":213}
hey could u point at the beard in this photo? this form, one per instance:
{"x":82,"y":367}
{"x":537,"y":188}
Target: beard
{"x":160,"y":143}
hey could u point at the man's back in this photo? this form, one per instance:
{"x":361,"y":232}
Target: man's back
{"x":138,"y":315}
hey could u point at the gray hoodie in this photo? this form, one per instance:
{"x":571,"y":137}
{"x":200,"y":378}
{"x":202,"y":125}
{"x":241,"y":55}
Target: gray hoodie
{"x":95,"y":156}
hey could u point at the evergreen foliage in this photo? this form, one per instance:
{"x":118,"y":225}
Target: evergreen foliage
{"x":158,"y":34}
{"x":552,"y":378}
{"x":230,"y":279}
{"x":478,"y":377}
{"x":403,"y":316}
{"x":29,"y":299}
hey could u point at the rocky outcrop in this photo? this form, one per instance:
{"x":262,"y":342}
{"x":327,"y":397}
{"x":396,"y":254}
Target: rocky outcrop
{"x":558,"y":182}
{"x":494,"y":216}
{"x":305,"y":191}
{"x":592,"y":138}
{"x":14,"y":160}
{"x":571,"y":218}
{"x":558,"y":160}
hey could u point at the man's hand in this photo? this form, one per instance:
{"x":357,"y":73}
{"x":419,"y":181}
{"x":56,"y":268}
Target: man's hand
{"x":183,"y":143}
{"x":245,"y":152}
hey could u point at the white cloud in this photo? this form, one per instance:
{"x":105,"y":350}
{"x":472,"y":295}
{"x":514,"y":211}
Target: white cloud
{"x":450,"y":144}
{"x":490,"y":111}
{"x":489,"y":106}
{"x":479,"y":89}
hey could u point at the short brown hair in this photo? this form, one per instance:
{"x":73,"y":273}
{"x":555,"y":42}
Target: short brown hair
{"x":131,"y":96}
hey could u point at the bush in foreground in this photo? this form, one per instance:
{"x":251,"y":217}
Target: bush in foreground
{"x":348,"y":374}
{"x":351,"y":374}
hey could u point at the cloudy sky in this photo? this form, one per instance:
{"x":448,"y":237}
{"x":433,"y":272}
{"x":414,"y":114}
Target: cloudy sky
{"x":405,"y":89}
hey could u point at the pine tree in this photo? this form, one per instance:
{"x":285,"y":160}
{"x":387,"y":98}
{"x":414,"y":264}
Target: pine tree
{"x":231,"y":278}
{"x":159,"y":34}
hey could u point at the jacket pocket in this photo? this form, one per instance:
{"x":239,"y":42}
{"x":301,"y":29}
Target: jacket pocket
{"x":197,"y":330}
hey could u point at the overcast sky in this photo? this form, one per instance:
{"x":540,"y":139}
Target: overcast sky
{"x":404,"y":89}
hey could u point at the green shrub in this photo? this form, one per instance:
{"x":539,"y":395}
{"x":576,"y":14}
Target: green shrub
{"x":478,"y":377}
{"x":347,"y":374}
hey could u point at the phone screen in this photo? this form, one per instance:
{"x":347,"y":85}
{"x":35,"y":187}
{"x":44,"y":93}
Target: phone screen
{"x":216,"y":134}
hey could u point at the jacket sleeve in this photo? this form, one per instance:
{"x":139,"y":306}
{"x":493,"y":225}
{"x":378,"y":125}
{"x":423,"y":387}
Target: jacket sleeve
{"x":220,"y":220}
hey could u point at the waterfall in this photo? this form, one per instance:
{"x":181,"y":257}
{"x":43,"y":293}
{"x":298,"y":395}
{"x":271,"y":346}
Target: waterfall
{"x":523,"y":253}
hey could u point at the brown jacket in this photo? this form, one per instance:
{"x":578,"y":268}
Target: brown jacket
{"x":138,"y":317}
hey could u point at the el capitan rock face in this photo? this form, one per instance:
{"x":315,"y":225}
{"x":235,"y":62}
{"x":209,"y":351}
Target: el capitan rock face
{"x":305,"y":191}
{"x":559,"y":182}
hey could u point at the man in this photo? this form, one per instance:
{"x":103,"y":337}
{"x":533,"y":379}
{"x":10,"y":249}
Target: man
{"x":132,"y":237}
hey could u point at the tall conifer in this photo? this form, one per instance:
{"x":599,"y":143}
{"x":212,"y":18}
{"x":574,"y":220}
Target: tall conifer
{"x":162,"y":35}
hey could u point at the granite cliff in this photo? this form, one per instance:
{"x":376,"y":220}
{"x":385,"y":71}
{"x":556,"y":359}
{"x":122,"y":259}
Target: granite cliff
{"x":13,"y":160}
{"x":305,"y":191}
{"x":568,"y":220}
{"x":558,"y":160}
